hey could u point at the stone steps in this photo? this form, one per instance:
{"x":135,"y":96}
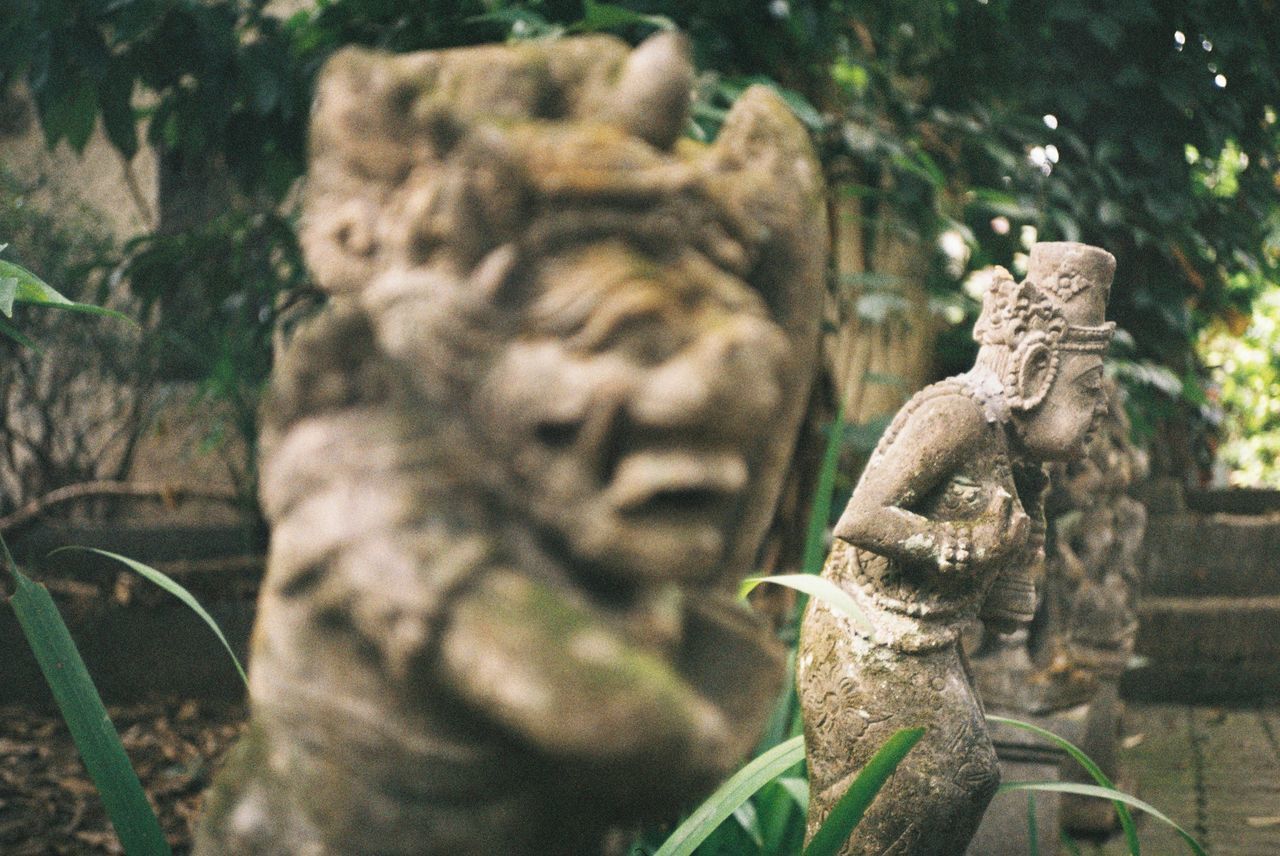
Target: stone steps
{"x":1206,"y":649}
{"x":1209,"y":608}
{"x":1219,"y":555}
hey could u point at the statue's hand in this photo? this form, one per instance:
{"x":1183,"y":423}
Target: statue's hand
{"x":560,"y":676}
{"x":999,"y":530}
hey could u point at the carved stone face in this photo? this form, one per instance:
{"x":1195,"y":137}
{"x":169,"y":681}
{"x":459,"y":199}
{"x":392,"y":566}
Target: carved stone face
{"x":634,"y":400}
{"x":1061,"y":424}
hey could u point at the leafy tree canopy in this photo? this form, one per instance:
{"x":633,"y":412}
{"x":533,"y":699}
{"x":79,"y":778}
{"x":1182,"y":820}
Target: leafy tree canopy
{"x":1145,"y":126}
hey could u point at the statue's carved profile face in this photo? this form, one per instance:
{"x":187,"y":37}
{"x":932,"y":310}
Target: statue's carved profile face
{"x":632,"y":398}
{"x":1070,"y":412}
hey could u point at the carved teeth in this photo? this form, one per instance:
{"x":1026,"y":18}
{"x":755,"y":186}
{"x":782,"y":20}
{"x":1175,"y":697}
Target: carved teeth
{"x":646,"y":476}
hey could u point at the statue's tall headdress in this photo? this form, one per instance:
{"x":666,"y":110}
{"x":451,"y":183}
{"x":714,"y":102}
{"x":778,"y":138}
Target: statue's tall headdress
{"x":1059,"y":307}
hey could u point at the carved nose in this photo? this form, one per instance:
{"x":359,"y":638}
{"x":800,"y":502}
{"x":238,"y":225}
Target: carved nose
{"x":729,"y":378}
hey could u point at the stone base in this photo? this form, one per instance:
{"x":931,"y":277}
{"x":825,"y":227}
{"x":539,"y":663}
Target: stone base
{"x":1024,"y":757}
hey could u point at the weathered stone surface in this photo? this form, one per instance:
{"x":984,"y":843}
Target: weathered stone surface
{"x":517,"y":469}
{"x":946,"y":528}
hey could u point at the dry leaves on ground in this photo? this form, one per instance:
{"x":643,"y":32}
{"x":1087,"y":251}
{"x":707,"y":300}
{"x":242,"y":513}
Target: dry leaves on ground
{"x":48,"y":805}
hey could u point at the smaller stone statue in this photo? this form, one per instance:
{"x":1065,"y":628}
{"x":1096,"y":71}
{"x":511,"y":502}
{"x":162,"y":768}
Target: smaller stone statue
{"x":945,"y":529}
{"x":1092,"y":567}
{"x":1090,"y":619}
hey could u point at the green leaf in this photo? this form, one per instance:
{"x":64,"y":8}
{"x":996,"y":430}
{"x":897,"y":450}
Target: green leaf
{"x":29,"y":288}
{"x":115,"y":96}
{"x":846,"y":813}
{"x":815,"y":541}
{"x":779,"y":726}
{"x":781,"y":805}
{"x":174,"y":588}
{"x":8,"y":291}
{"x":1105,"y":793}
{"x":18,"y":336}
{"x":90,"y":726}
{"x":749,"y":819}
{"x":79,"y":113}
{"x":797,"y":788}
{"x":733,"y":793}
{"x":608,"y":16}
{"x":1106,"y":30}
{"x":521,"y":24}
{"x":1126,"y":819}
{"x":815,"y":586}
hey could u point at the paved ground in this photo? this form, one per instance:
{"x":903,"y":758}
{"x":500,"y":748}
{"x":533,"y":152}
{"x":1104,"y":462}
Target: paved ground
{"x":1216,"y":771}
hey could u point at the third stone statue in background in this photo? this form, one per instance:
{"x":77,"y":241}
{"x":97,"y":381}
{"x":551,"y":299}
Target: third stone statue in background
{"x":946,"y":528}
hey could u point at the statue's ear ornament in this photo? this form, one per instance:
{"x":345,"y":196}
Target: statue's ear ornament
{"x":1034,"y":366}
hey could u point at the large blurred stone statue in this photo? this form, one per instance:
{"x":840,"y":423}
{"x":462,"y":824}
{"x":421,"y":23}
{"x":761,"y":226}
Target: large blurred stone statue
{"x":516,"y":470}
{"x":946,"y":528}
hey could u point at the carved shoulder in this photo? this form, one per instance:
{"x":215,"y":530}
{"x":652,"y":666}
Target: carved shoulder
{"x":942,"y":420}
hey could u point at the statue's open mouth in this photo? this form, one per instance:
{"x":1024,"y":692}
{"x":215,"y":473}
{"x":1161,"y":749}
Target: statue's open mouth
{"x":680,"y":482}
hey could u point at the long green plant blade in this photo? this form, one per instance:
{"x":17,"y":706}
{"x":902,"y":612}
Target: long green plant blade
{"x":820,"y":587}
{"x":776,"y":802}
{"x":1109,"y":794}
{"x":18,"y":336}
{"x":19,"y":285}
{"x":174,"y":588}
{"x":848,"y":811}
{"x":1122,"y":812}
{"x":797,"y":788}
{"x":815,"y":542}
{"x":104,"y":756}
{"x":733,"y":793}
{"x":814,"y":550}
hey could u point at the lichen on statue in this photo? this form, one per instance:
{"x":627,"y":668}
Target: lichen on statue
{"x":944,"y":529}
{"x":516,"y":470}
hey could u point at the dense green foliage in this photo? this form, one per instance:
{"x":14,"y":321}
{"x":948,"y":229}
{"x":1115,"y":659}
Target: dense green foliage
{"x":1247,"y":370}
{"x":1145,"y":126}
{"x":1083,"y":119}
